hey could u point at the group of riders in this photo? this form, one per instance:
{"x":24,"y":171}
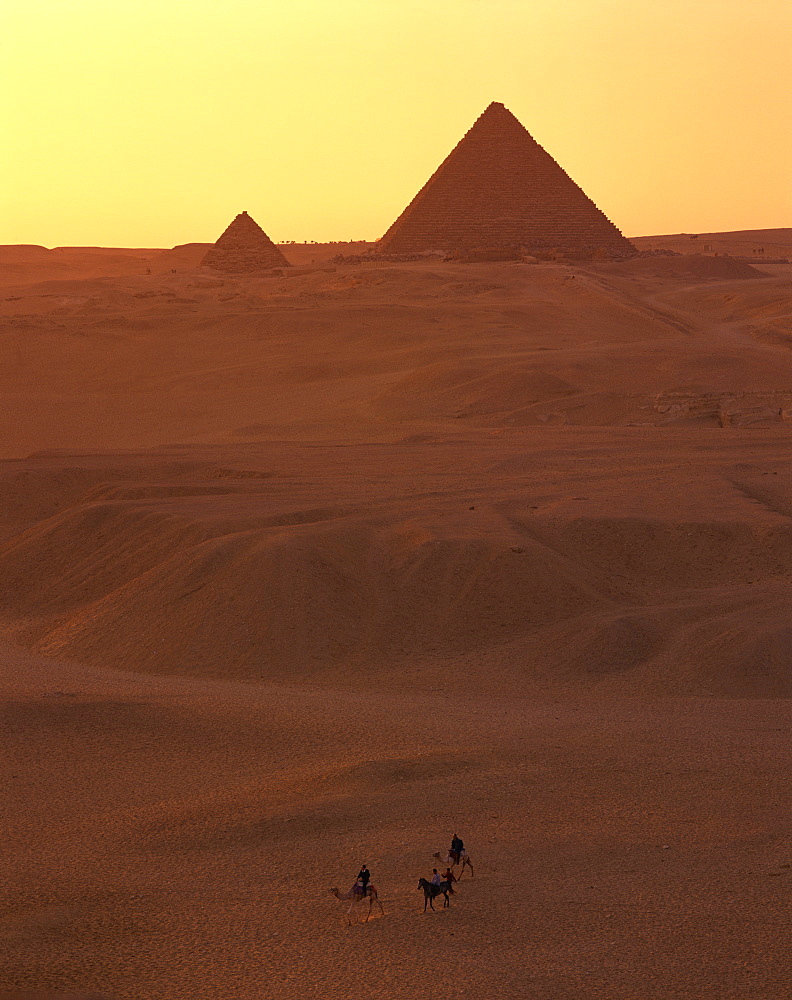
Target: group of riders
{"x":455,"y":855}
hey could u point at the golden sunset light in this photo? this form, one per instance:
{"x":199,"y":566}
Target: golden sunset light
{"x":395,"y":499}
{"x":150,"y":122}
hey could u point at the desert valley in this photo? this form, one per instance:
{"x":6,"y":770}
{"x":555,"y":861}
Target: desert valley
{"x":315,"y":566}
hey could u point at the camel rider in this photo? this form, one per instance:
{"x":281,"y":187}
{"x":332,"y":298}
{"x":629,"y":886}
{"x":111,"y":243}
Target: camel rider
{"x":436,"y":880}
{"x":364,"y":876}
{"x":457,"y":847}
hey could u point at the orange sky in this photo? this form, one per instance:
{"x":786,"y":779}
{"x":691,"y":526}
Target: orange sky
{"x":153,"y":122}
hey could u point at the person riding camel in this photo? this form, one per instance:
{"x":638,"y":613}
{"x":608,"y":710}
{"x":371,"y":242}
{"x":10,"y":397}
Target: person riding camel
{"x":457,"y":847}
{"x":364,"y":877}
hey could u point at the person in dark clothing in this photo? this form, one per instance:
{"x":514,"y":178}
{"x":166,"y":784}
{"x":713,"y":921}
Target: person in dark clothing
{"x":364,"y":877}
{"x":457,"y":847}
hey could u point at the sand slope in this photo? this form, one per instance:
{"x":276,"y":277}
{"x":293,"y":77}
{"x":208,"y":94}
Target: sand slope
{"x":562,"y":571}
{"x":298,"y":572}
{"x":753,"y":244}
{"x":193,"y":829}
{"x":575,"y":470}
{"x":376,"y":353}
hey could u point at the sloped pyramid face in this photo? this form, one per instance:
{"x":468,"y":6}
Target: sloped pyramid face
{"x":500,"y":188}
{"x":244,"y":247}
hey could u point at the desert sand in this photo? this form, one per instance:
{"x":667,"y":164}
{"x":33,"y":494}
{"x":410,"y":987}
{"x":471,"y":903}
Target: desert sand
{"x":309,"y":569}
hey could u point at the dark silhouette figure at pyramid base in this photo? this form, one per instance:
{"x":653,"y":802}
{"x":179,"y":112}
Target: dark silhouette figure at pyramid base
{"x":500,"y":189}
{"x":244,"y":248}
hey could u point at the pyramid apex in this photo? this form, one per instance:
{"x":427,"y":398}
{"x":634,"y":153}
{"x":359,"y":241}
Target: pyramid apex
{"x":496,"y":107}
{"x":497,"y":111}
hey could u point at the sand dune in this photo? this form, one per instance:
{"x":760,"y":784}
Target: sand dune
{"x":299,"y":571}
{"x":271,"y":574}
{"x":378,"y":353}
{"x":753,"y":244}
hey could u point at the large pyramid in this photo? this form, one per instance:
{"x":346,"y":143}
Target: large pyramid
{"x":498,"y":188}
{"x":244,"y":247}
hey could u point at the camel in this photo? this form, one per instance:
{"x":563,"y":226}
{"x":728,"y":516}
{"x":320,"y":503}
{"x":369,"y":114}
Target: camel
{"x":451,"y":861}
{"x":431,"y":891}
{"x":355,"y":894}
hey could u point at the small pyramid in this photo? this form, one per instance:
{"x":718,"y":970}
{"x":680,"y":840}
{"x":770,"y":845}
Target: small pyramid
{"x":499,"y":188}
{"x":244,"y":247}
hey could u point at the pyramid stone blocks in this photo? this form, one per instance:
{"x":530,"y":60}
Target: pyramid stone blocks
{"x":243,"y":248}
{"x":500,"y":188}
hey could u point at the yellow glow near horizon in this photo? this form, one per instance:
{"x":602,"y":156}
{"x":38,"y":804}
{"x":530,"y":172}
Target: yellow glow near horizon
{"x":153,"y":122}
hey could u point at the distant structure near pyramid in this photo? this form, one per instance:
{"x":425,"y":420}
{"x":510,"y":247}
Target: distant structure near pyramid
{"x":244,"y":247}
{"x":498,"y":188}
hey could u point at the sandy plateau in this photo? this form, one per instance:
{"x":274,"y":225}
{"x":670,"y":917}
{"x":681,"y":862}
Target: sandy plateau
{"x":305,"y":570}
